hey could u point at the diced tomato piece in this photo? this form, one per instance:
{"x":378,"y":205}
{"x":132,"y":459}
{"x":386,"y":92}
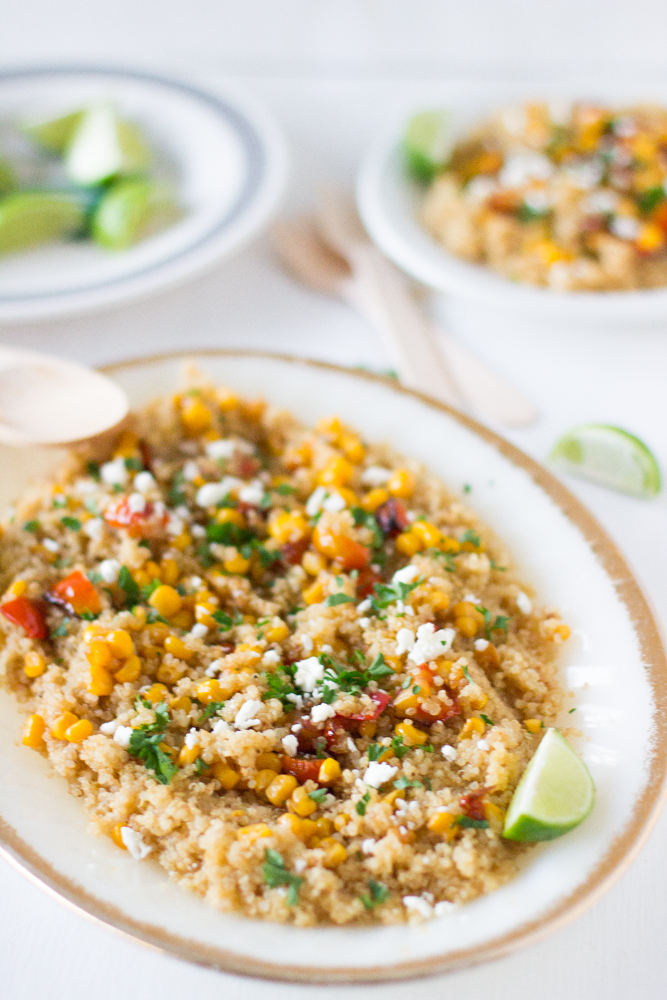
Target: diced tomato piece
{"x":660,"y":215}
{"x":443,"y":713}
{"x":77,"y":593}
{"x":346,"y":553}
{"x":244,"y":466}
{"x":28,"y":614}
{"x":293,"y":552}
{"x":147,"y":523}
{"x":303,"y":768}
{"x":381,"y":699}
{"x":392,"y":517}
{"x":146,"y":454}
{"x":366,"y":582}
{"x":350,"y":723}
{"x":472,"y":804}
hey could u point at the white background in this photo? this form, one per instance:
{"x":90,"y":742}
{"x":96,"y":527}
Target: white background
{"x":329,"y":71}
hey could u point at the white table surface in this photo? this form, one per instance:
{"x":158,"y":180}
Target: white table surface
{"x":617,"y":948}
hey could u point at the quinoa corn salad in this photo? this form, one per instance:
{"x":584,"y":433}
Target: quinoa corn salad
{"x":288,"y":666}
{"x":571,"y":197}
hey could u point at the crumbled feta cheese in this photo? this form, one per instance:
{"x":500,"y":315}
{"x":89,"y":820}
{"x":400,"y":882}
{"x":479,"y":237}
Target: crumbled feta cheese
{"x":405,"y":640}
{"x":122,"y":735}
{"x":538,"y":200}
{"x":417,"y":904}
{"x":199,"y":630}
{"x":367,"y":845}
{"x":271,"y":658}
{"x":364,"y":622}
{"x":375,"y":475}
{"x":175,"y":525}
{"x":520,"y":168}
{"x":192,"y":739}
{"x":364,"y":606}
{"x":449,"y":753}
{"x":296,"y":700}
{"x":299,"y":865}
{"x":351,"y":745}
{"x":198,"y":531}
{"x":482,"y":745}
{"x":601,"y":202}
{"x":215,"y":667}
{"x":480,"y":644}
{"x":625,"y":227}
{"x":314,"y":502}
{"x":221,"y":727}
{"x":245,"y":717}
{"x":409,"y":610}
{"x":297,"y":727}
{"x":586,"y":175}
{"x":136,"y":503}
{"x":222,"y":448}
{"x":134,"y":843}
{"x":114,"y":473}
{"x":211,"y":494}
{"x":444,"y":907}
{"x":430,"y":643}
{"x":50,"y":544}
{"x":405,"y":575}
{"x":327,"y":648}
{"x":320,"y":713}
{"x":290,"y":745}
{"x":334,"y":502}
{"x":479,"y":189}
{"x":253,"y":493}
{"x":378,"y":773}
{"x":109,"y":570}
{"x":524,"y":603}
{"x":144,"y":482}
{"x":94,"y":528}
{"x":306,"y":643}
{"x":190,"y":471}
{"x":471,"y":599}
{"x":309,"y":672}
{"x":109,"y":728}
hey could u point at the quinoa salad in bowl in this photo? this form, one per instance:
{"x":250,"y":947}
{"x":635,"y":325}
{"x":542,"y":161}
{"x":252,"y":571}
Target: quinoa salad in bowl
{"x":286,"y":664}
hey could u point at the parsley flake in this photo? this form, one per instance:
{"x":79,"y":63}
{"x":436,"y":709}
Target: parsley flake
{"x":276,"y":874}
{"x":334,"y":599}
{"x":127,"y":583}
{"x":145,"y":745}
{"x":471,"y":824}
{"x":377,"y":894}
{"x":360,"y":806}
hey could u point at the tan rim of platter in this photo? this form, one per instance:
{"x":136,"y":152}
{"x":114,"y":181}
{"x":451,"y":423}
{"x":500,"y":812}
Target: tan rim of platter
{"x":610,"y":867}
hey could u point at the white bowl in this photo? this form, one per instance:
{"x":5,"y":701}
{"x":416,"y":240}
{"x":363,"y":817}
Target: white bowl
{"x":389,"y":200}
{"x":615,"y":664}
{"x":228,"y":162}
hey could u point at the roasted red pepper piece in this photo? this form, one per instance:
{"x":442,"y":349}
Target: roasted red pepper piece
{"x":77,"y":594}
{"x":303,"y":768}
{"x":147,"y":523}
{"x":392,"y":517}
{"x":28,"y":614}
{"x":472,"y":804}
{"x":443,"y":713}
{"x":293,"y":552}
{"x":351,"y":723}
{"x":366,"y":582}
{"x":381,"y":699}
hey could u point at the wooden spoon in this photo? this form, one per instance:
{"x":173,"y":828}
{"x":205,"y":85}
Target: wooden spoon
{"x":50,"y":401}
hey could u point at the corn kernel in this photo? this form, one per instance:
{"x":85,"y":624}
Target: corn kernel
{"x":177,"y":648}
{"x":330,"y":428}
{"x":153,"y":570}
{"x":301,"y":803}
{"x":352,"y":448}
{"x":495,"y":816}
{"x":334,"y":853}
{"x":532,"y":725}
{"x":117,"y":836}
{"x":288,"y":527}
{"x":337,"y":471}
{"x":181,"y":541}
{"x":324,"y":827}
{"x":472,"y":726}
{"x":329,"y":771}
{"x":401,"y":483}
{"x":62,"y":724}
{"x":411,"y":735}
{"x":181,"y":704}
{"x":226,"y":775}
{"x":281,"y":788}
{"x":130,"y":671}
{"x":264,"y":777}
{"x":210,"y":690}
{"x":448,"y":544}
{"x":79,"y":731}
{"x":230,"y":515}
{"x":141,"y":578}
{"x":195,"y":416}
{"x":268,"y":760}
{"x":156,"y":693}
{"x":313,"y":594}
{"x":169,"y":571}
{"x":33,"y":734}
{"x":374,"y":499}
{"x":18,"y":588}
{"x":277,"y":632}
{"x":443,"y":823}
{"x":188,"y":755}
{"x":254,"y":832}
{"x":120,"y":643}
{"x":368,"y":728}
{"x":405,"y":700}
{"x":101,"y":682}
{"x":427,"y":532}
{"x":313,"y":563}
{"x":99,"y":654}
{"x":227,"y":400}
{"x":341,"y":821}
{"x":237,"y":564}
{"x":158,"y":632}
{"x":253,"y":409}
{"x":408,"y":543}
{"x":166,"y":601}
{"x":34,"y":664}
{"x":126,"y":446}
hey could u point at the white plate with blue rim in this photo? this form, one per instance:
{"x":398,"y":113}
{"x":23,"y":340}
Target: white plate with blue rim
{"x":224,"y":155}
{"x":614,"y":666}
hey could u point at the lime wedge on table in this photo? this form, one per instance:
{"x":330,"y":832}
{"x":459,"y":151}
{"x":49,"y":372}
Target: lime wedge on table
{"x":428,"y":143}
{"x":131,"y":210}
{"x":610,"y":457}
{"x":104,"y":146}
{"x":555,"y":794}
{"x":32,"y":217}
{"x":55,"y":134}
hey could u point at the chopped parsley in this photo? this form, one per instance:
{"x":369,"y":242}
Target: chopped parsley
{"x":467,"y":488}
{"x":201,"y":765}
{"x":176,"y":495}
{"x":377,"y":894}
{"x":211,"y":709}
{"x":398,"y":747}
{"x":91,"y":506}
{"x":319,"y":795}
{"x":94,"y":576}
{"x":59,"y":504}
{"x":360,"y":806}
{"x":276,"y":874}
{"x":466,"y":674}
{"x":404,"y":782}
{"x":61,"y":629}
{"x":471,"y":537}
{"x":389,"y":593}
{"x":375,"y":751}
{"x":127,"y":583}
{"x":334,"y":599}
{"x":471,"y":824}
{"x":367,"y":520}
{"x":145,"y":746}
{"x":134,"y":464}
{"x":648,"y":200}
{"x":31,"y":526}
{"x":150,"y":589}
{"x":350,"y":681}
{"x":486,"y":719}
{"x":279,"y":687}
{"x":222,"y":620}
{"x":93,"y":470}
{"x":572,"y":710}
{"x":227,"y":533}
{"x":498,"y":624}
{"x":284,"y":489}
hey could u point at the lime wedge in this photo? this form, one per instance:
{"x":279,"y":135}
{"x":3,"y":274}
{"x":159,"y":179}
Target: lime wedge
{"x":130,"y":211}
{"x":104,"y":146}
{"x":555,"y":794}
{"x":611,"y":457}
{"x":7,"y":179}
{"x":55,"y":134}
{"x":428,"y":143}
{"x":32,"y":217}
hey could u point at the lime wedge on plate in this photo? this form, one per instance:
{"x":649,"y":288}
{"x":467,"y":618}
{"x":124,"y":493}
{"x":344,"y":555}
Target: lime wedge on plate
{"x":611,"y":457}
{"x":104,"y":146}
{"x":54,"y":134}
{"x":32,"y":217}
{"x":131,"y":210}
{"x":555,"y":794}
{"x":428,"y":143}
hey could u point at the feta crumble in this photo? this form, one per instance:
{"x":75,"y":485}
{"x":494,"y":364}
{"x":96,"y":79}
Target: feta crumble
{"x":114,"y":473}
{"x":375,"y":475}
{"x":50,"y":544}
{"x":430,"y":643}
{"x":378,"y":773}
{"x":192,"y":739}
{"x":309,"y":672}
{"x":245,"y":717}
{"x":109,"y":570}
{"x":199,"y":630}
{"x":215,"y":667}
{"x":290,"y":745}
{"x":134,"y":843}
{"x":405,"y":575}
{"x":211,"y":494}
{"x":144,"y":482}
{"x":320,"y":713}
{"x":449,"y":753}
{"x":405,"y":640}
{"x":417,"y":904}
{"x":122,"y":735}
{"x":524,"y":603}
{"x":136,"y":503}
{"x":222,"y":448}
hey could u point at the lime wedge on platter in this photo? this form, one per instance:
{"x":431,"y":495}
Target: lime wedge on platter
{"x":104,"y":146}
{"x":428,"y":143}
{"x":131,"y":210}
{"x":555,"y":794}
{"x":611,"y":457}
{"x":31,"y":217}
{"x":55,"y":134}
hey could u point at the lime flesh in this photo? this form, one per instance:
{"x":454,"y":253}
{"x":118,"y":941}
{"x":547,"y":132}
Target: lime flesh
{"x":104,"y":146}
{"x":428,"y":143}
{"x":131,"y":210}
{"x":7,"y":180}
{"x":555,"y":794}
{"x":55,"y":135}
{"x":33,"y":217}
{"x":611,"y":457}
